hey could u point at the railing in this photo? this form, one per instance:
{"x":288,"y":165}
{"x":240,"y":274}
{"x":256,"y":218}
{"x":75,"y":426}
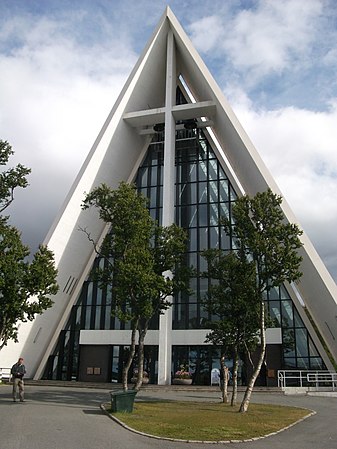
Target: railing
{"x":323,"y":379}
{"x":5,"y":374}
{"x":306,"y":378}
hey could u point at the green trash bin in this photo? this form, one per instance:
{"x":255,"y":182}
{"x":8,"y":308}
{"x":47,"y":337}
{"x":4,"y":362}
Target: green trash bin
{"x":122,"y":401}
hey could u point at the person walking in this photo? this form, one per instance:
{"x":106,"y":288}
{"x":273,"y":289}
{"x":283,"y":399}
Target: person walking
{"x":18,"y":371}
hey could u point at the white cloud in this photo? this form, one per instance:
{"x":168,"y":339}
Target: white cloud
{"x":263,"y":40}
{"x":300,"y":149}
{"x":206,"y":33}
{"x":55,"y":96}
{"x":57,"y":87}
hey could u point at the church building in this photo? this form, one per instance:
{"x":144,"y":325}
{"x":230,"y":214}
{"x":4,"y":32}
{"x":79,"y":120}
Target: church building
{"x":173,"y":134}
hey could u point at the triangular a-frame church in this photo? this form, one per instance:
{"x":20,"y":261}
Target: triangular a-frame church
{"x":172,"y":132}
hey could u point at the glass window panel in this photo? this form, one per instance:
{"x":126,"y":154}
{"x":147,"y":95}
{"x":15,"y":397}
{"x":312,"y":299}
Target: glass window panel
{"x":297,"y":319}
{"x":302,"y":363}
{"x":204,"y":318}
{"x":193,"y":287}
{"x":87,"y":311}
{"x":153,"y":213}
{"x":288,"y":343}
{"x":290,"y":363}
{"x":225,"y":239}
{"x":78,"y":316}
{"x":181,"y":192}
{"x":214,"y":237}
{"x":316,"y":363}
{"x":275,"y":313}
{"x":98,"y":310}
{"x":214,"y":214}
{"x":154,"y":175}
{"x":192,"y":260}
{"x":312,"y":348}
{"x":115,"y":351}
{"x":224,"y":210}
{"x":233,"y":195}
{"x":153,"y":196}
{"x":287,"y":313}
{"x":301,"y":342}
{"x":160,"y":181}
{"x":202,"y":192}
{"x":143,"y":191}
{"x":187,"y":193}
{"x":223,"y":190}
{"x":99,"y":296}
{"x":153,"y":156}
{"x":143,"y":177}
{"x":202,"y":168}
{"x":274,"y":293}
{"x":213,"y":192}
{"x":213,"y":169}
{"x":222,"y":174}
{"x":192,"y":173}
{"x":192,"y":216}
{"x":193,"y":316}
{"x":203,"y":150}
{"x":179,"y":177}
{"x":283,"y":293}
{"x":89,"y":293}
{"x":193,"y":240}
{"x":202,"y":214}
{"x":187,"y":216}
{"x":203,"y":287}
{"x":202,"y":264}
{"x":192,"y":193}
{"x":107,"y":323}
{"x":203,"y":236}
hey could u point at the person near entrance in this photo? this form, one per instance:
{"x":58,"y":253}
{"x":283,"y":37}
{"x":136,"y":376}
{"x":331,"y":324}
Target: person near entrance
{"x":18,"y":371}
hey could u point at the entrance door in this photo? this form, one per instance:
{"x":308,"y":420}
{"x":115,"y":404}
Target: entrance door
{"x":95,"y":363}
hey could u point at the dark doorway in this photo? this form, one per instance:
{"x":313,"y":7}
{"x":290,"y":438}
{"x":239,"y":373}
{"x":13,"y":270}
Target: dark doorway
{"x":95,"y":363}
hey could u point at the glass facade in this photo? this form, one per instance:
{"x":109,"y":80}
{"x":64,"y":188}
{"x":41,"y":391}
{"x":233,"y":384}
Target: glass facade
{"x":203,"y":194}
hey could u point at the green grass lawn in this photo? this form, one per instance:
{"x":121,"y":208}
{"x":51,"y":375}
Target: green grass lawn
{"x":209,"y":421}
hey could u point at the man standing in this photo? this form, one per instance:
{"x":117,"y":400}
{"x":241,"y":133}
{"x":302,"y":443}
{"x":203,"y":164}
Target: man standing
{"x":18,"y":371}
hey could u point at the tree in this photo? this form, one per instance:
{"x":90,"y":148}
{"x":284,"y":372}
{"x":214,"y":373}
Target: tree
{"x":231,"y":300}
{"x":260,"y":231}
{"x":142,"y":262}
{"x":24,"y":286}
{"x":11,"y":178}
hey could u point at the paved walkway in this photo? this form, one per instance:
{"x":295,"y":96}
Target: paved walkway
{"x":70,"y":418}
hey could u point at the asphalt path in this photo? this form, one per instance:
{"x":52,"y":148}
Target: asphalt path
{"x":70,"y":418}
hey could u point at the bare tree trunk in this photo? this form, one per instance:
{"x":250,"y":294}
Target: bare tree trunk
{"x":224,"y":380}
{"x":248,"y":393}
{"x":235,"y":376}
{"x":131,"y":355}
{"x":140,"y":374}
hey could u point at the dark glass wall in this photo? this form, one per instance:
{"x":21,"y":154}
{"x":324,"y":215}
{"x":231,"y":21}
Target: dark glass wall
{"x":203,"y":195}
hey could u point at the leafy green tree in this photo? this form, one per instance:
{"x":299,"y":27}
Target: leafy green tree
{"x":262,"y":233}
{"x":142,"y":263}
{"x":12,"y":178}
{"x":25,"y":286}
{"x":232,"y":302}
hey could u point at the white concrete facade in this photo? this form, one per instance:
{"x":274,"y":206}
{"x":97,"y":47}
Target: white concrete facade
{"x":148,"y":98}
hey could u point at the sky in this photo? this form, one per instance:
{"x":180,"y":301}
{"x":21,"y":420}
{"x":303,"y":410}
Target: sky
{"x":64,"y":62}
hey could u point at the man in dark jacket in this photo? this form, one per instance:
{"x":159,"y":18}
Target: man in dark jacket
{"x":18,"y":371}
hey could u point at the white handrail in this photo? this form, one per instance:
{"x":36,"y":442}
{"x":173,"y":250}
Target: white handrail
{"x":5,"y":373}
{"x":305,"y":378}
{"x":325,"y":377}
